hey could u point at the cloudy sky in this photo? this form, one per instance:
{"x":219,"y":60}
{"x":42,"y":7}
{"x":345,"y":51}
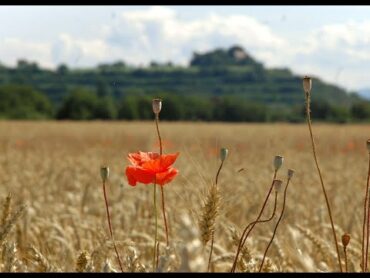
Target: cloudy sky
{"x":332,"y":42}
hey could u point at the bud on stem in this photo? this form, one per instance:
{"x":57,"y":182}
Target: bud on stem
{"x":345,"y":239}
{"x":223,"y":154}
{"x":277,"y":184}
{"x":290,"y":173}
{"x":104,"y":173}
{"x":307,"y":84}
{"x":157,"y":105}
{"x":278,"y":161}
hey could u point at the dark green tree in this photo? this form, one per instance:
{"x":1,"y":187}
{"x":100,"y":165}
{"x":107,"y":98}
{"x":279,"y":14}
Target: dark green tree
{"x":172,"y":109}
{"x":103,"y":89}
{"x":361,"y":111}
{"x":105,"y":109}
{"x":23,"y":102}
{"x":80,"y":104}
{"x":128,"y":108}
{"x":144,"y":112}
{"x":62,"y":69}
{"x":339,"y":114}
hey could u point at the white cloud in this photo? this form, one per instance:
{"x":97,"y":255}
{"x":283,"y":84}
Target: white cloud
{"x":75,"y":51}
{"x":335,"y":52}
{"x":65,"y":49}
{"x":333,"y":48}
{"x":159,"y":34}
{"x":15,"y":49}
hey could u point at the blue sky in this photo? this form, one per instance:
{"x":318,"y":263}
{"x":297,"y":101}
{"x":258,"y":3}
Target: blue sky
{"x":332,"y":42}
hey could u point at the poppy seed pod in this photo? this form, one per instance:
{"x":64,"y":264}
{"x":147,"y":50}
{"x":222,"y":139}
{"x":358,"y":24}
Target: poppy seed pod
{"x":345,"y":239}
{"x":368,"y":145}
{"x":278,"y":161}
{"x":223,"y":153}
{"x":307,"y":84}
{"x":277,"y":184}
{"x":290,"y":173}
{"x":104,"y":173}
{"x":157,"y":105}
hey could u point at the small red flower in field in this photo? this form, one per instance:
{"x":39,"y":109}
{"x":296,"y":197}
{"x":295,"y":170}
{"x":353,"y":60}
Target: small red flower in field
{"x":150,"y":167}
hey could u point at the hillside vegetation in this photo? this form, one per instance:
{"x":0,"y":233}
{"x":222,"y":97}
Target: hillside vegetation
{"x":219,"y":85}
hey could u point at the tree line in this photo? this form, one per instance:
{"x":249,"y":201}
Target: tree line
{"x":24,"y":102}
{"x":217,"y":73}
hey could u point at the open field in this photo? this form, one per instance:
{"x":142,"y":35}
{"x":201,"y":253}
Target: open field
{"x":54,"y":168}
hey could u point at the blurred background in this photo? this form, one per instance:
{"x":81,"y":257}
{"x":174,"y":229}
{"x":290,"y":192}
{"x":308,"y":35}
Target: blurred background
{"x":208,"y":63}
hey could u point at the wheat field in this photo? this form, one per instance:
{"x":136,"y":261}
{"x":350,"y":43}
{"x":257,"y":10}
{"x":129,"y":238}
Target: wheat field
{"x":54,"y":218}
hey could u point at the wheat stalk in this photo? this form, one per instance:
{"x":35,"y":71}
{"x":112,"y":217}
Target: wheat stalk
{"x":82,"y":262}
{"x":43,"y":263}
{"x":6,"y":210}
{"x":10,"y":223}
{"x":210,"y":210}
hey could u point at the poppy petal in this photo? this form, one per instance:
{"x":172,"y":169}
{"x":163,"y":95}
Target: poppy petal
{"x":152,"y":155}
{"x":161,"y":163}
{"x":130,"y":175}
{"x":137,"y":174}
{"x":134,"y":158}
{"x":138,"y":158}
{"x":166,"y":177}
{"x":167,"y":160}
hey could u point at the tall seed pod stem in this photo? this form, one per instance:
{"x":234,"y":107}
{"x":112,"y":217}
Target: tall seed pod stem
{"x":307,"y":86}
{"x":277,"y":185}
{"x":157,"y":106}
{"x":251,"y":225}
{"x":156,"y":226}
{"x":278,"y":161}
{"x":277,"y":189}
{"x":365,"y":233}
{"x":104,"y":172}
{"x":223,"y":154}
{"x":345,"y":241}
{"x":290,"y":174}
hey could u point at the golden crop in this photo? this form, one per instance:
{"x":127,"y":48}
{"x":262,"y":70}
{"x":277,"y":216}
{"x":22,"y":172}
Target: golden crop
{"x":54,"y":169}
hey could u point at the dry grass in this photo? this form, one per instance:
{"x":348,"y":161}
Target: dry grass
{"x":55,"y":219}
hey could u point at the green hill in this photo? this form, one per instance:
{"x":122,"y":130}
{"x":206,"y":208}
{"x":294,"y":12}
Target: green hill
{"x":221,"y":85}
{"x":230,"y":72}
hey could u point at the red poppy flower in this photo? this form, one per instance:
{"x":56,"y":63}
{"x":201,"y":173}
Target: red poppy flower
{"x":149,"y":167}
